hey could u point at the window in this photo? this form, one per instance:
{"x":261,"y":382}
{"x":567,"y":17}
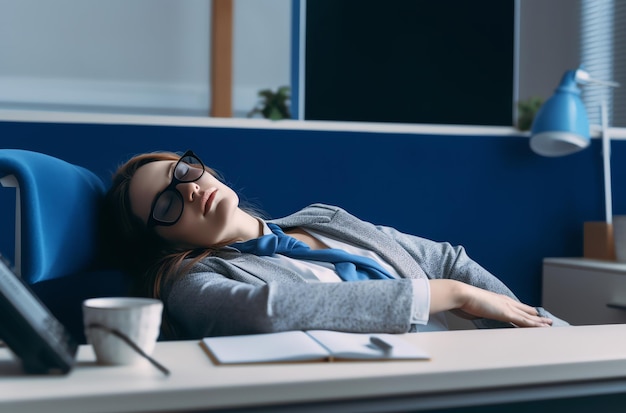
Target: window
{"x":603,"y":44}
{"x":135,"y":57}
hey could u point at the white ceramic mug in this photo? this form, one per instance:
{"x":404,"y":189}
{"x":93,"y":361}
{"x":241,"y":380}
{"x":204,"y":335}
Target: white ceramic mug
{"x":139,"y":319}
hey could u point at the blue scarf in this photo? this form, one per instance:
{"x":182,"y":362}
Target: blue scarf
{"x":348,"y":266}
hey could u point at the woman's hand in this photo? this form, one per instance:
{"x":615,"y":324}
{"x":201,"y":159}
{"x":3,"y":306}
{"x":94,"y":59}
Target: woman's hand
{"x":476,"y":302}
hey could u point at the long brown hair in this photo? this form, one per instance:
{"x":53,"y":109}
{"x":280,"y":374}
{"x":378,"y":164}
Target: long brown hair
{"x":136,"y":249}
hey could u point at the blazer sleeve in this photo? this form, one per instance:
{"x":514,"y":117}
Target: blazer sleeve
{"x":205,"y":303}
{"x":443,"y":260}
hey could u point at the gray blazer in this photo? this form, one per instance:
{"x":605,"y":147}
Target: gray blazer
{"x":233,"y":293}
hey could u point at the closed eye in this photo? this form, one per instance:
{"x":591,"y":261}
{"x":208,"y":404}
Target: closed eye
{"x":168,"y":207}
{"x":163,"y":204}
{"x":182,"y":170}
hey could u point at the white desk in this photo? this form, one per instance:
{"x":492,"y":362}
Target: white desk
{"x":467,"y":367}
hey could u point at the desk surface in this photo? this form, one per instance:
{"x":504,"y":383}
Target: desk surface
{"x":590,"y":263}
{"x":508,"y":364}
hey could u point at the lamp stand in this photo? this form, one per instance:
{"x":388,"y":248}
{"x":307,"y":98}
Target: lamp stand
{"x":599,"y":242}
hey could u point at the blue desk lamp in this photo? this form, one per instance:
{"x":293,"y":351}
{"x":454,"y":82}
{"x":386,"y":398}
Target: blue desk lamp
{"x":561,"y":127}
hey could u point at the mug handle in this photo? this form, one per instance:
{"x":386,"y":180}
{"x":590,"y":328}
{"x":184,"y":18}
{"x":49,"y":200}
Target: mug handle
{"x":130,"y":342}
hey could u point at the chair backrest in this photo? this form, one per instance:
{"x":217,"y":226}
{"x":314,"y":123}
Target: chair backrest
{"x":57,"y":212}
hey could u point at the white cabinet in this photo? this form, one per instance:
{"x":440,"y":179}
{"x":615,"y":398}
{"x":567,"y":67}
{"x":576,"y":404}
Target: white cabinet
{"x":584,"y":291}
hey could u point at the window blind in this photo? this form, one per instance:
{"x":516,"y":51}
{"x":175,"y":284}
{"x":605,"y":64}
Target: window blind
{"x":603,"y":43}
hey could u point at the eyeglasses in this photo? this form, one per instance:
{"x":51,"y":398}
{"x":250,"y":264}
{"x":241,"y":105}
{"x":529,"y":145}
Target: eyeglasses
{"x":168,"y":205}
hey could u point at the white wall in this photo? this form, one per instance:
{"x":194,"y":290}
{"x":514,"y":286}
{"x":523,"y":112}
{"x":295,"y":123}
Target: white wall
{"x":549,"y":44}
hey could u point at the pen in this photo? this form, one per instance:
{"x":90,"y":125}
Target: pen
{"x":381,"y":344}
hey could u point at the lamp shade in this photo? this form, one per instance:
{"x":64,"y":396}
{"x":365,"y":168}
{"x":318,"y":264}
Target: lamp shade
{"x":561,"y":126}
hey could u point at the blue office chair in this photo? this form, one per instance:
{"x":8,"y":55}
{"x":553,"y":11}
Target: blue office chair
{"x":57,"y":233}
{"x":56,"y":214}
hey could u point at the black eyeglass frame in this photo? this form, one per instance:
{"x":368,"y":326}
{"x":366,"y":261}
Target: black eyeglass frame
{"x":152,"y":221}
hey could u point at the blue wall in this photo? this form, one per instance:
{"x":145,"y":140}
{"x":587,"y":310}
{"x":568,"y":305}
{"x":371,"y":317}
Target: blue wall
{"x":509,"y":207}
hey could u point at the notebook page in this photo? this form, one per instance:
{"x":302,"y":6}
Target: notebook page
{"x":255,"y":348}
{"x":360,"y":346}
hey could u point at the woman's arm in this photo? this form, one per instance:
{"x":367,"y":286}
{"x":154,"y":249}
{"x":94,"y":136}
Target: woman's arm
{"x":454,"y":295}
{"x":209,"y":304}
{"x":442,"y":260}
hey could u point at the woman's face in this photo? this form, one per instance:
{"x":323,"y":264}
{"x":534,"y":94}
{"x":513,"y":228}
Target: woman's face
{"x":210,"y":208}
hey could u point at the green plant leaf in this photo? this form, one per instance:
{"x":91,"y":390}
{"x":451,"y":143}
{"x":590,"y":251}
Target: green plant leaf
{"x":273,"y":105}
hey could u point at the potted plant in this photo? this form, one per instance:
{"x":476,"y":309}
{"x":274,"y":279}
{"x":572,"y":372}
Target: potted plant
{"x":527,"y":110}
{"x":273,"y":105}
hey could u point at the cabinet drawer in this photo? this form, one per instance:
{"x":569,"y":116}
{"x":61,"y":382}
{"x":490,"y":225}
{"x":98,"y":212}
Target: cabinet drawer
{"x":584,"y":296}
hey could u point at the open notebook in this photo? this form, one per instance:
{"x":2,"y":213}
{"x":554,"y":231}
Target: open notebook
{"x":311,"y":345}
